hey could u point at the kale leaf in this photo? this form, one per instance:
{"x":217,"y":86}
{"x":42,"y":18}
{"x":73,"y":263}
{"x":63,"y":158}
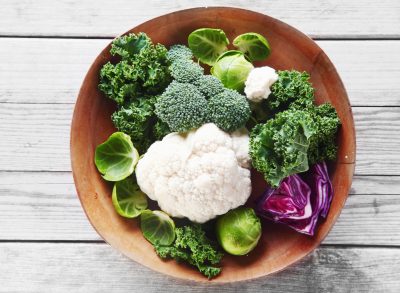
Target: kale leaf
{"x":192,"y":246}
{"x":143,"y":69}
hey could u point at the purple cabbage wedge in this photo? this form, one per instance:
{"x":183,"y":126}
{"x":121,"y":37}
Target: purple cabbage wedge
{"x":298,"y":203}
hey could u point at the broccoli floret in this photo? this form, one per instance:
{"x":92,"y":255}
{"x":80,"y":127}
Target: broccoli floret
{"x":292,"y":89}
{"x":186,"y":71}
{"x":229,"y":110}
{"x":179,"y":52}
{"x":209,"y":85}
{"x":322,"y":143}
{"x":137,"y":120}
{"x":182,"y":107}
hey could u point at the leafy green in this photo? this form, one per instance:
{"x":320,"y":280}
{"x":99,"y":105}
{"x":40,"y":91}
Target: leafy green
{"x":279,"y":147}
{"x":142,"y":71}
{"x":127,"y":46}
{"x":292,"y":89}
{"x":228,"y":110}
{"x":322,"y":143}
{"x":116,"y":158}
{"x":253,"y":45}
{"x":128,"y":200}
{"x":182,"y":107}
{"x":207,"y":44}
{"x":157,"y":227}
{"x":192,"y":246}
{"x":137,"y":120}
{"x":232,"y":69}
{"x":160,"y":130}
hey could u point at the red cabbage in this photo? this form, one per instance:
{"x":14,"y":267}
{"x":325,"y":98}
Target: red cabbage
{"x":298,"y":203}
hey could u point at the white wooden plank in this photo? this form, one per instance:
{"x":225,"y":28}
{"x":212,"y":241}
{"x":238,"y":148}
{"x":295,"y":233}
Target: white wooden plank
{"x":342,"y":18}
{"x":31,"y":267}
{"x":35,"y":137}
{"x":44,"y":206}
{"x":53,"y":69}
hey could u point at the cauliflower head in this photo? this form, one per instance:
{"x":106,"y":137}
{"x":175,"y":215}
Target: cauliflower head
{"x":259,"y":82}
{"x":198,"y":175}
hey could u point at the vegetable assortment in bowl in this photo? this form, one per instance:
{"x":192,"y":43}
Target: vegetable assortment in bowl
{"x":216,"y":154}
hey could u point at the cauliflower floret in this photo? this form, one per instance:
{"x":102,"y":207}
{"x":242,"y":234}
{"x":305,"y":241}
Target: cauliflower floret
{"x":259,"y":82}
{"x":198,"y":175}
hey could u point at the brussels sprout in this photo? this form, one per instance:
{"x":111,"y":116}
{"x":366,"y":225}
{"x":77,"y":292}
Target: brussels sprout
{"x":238,"y":231}
{"x":116,"y":158}
{"x":128,"y":200}
{"x":253,"y":45}
{"x":157,"y":227}
{"x":207,"y":44}
{"x":232,"y":69}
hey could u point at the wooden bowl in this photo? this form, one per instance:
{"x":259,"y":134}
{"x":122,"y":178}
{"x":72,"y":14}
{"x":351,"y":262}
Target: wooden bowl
{"x":279,"y":246}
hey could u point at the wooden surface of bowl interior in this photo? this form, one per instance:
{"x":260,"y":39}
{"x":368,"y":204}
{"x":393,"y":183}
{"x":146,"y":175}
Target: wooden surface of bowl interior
{"x":91,"y":125}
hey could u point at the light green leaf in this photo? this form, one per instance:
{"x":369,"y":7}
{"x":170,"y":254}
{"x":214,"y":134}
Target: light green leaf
{"x":253,"y":45}
{"x":116,"y":158}
{"x":157,"y":227}
{"x":207,"y":44}
{"x":128,"y":200}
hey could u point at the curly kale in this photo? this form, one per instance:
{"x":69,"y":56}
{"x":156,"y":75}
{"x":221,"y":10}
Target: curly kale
{"x":228,"y":110}
{"x":292,"y":89}
{"x":322,"y":143}
{"x":192,"y":246}
{"x":143,"y":69}
{"x":179,"y":52}
{"x":182,"y":107}
{"x":139,"y":121}
{"x":186,"y":71}
{"x":279,"y":147}
{"x":209,"y":86}
{"x":293,"y":140}
{"x":160,"y":130}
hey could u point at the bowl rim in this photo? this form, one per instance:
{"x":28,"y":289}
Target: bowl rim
{"x":300,"y":256}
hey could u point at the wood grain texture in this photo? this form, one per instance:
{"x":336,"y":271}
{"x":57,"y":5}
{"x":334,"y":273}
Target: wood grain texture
{"x":51,"y":210}
{"x":99,"y":268}
{"x":35,"y":137}
{"x":57,"y":80}
{"x":338,"y":19}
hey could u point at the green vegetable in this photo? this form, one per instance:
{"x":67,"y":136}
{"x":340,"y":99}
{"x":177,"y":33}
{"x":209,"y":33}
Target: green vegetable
{"x":182,"y":107}
{"x":137,"y":120}
{"x":116,"y":158}
{"x":253,"y":45}
{"x":186,"y":71}
{"x":127,"y":198}
{"x":238,"y":231}
{"x":127,"y":46}
{"x":322,"y":143}
{"x":179,"y":52}
{"x":209,"y":86}
{"x":292,"y":89}
{"x":142,"y":71}
{"x":207,"y":44}
{"x":229,"y":110}
{"x":232,"y":69}
{"x":192,"y":246}
{"x":157,"y":227}
{"x":279,"y":147}
{"x":160,"y":130}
